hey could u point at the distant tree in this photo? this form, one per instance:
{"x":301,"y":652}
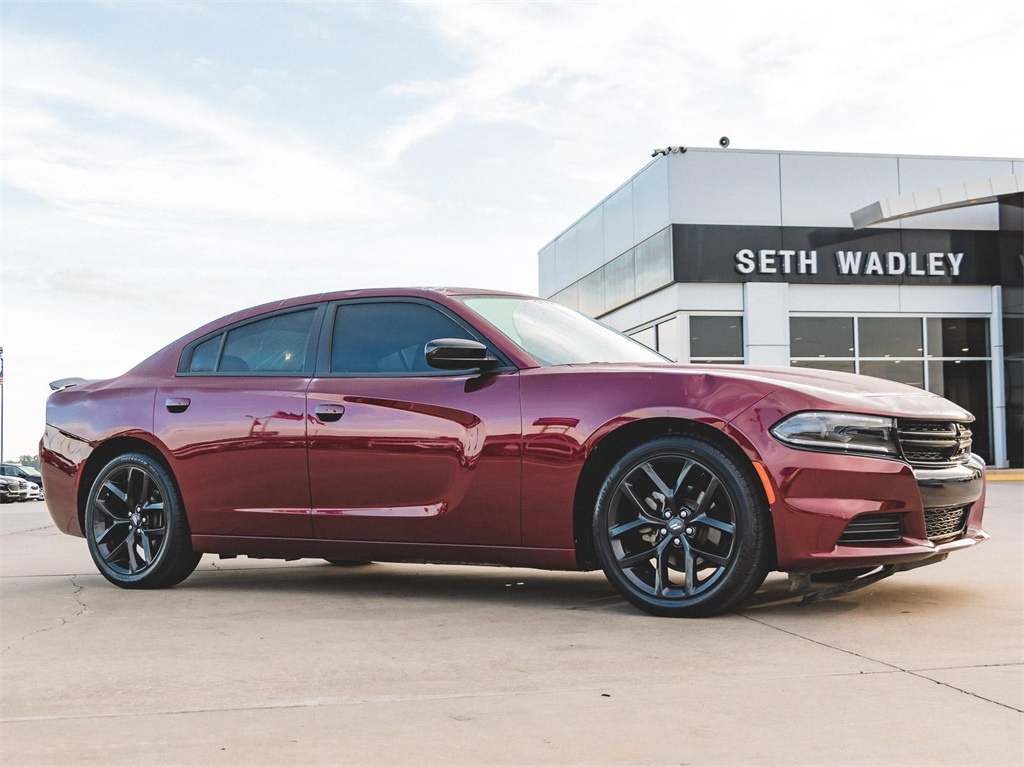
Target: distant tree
{"x":29,"y":460}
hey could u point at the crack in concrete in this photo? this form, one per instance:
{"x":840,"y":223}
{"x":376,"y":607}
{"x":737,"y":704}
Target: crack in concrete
{"x":893,"y":666}
{"x":28,"y":530}
{"x":78,"y":597}
{"x":82,"y":609}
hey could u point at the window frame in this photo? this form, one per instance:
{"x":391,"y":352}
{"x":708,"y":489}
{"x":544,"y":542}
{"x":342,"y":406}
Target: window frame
{"x":312,"y":347}
{"x":925,"y":357}
{"x":325,"y":351}
{"x":718,"y":359}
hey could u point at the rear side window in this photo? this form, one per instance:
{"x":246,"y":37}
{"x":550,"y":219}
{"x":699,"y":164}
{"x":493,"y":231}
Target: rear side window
{"x":387,"y":338}
{"x":277,"y":344}
{"x":204,"y":356}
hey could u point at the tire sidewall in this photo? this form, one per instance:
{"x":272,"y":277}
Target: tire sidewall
{"x":164,"y":569}
{"x":747,"y":567}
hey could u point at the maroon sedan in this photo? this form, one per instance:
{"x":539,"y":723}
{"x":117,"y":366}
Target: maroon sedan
{"x":477,"y":427}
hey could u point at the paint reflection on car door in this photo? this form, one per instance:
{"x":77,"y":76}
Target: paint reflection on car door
{"x":234,"y":423}
{"x":399,"y":451}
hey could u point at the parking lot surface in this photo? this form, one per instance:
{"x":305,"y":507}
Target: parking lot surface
{"x":265,"y":662}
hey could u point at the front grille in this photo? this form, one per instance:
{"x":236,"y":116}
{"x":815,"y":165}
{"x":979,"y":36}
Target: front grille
{"x":945,"y":523}
{"x":873,"y":528}
{"x":934,"y":443}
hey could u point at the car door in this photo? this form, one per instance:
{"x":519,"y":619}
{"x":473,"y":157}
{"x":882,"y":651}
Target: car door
{"x":234,"y":422}
{"x":400,"y":451}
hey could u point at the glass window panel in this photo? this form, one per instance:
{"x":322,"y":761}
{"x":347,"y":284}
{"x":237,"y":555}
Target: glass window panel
{"x":1013,"y":370}
{"x":591,"y":294}
{"x":648,"y":337}
{"x":555,"y":335}
{"x":204,"y":356}
{"x":653,"y":261}
{"x":903,"y":371}
{"x":966,"y":383}
{"x":716,"y":337}
{"x":275,"y":345}
{"x":957,"y":337}
{"x":821,"y":336}
{"x":619,"y":281}
{"x":569,"y":297}
{"x":668,"y":339}
{"x":889,"y":337}
{"x":386,"y":338}
{"x":842,"y":366}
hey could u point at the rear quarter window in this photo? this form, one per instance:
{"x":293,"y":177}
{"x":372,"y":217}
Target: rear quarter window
{"x":279,"y":344}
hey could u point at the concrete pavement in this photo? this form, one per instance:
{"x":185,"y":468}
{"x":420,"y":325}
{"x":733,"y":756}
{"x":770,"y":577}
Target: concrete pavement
{"x":253,"y":662}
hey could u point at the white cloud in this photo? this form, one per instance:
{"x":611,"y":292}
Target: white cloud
{"x":135,"y":151}
{"x":602,"y":78}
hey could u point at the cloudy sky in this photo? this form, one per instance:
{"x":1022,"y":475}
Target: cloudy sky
{"x":164,"y":163}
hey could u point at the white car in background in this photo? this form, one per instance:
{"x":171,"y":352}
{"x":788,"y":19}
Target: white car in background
{"x":28,"y":474}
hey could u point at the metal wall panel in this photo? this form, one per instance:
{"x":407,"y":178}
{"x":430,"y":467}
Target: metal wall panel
{"x":848,"y":299}
{"x":618,"y":223}
{"x":725,"y":187}
{"x":651,"y":212}
{"x":567,"y":268}
{"x":591,"y":241}
{"x":822,"y":190}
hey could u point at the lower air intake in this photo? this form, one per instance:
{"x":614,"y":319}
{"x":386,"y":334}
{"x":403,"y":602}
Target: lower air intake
{"x":873,"y":528}
{"x":944,"y":523}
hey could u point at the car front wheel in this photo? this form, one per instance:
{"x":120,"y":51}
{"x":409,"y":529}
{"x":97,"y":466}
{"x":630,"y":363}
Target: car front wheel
{"x":680,"y":528}
{"x":136,"y":527}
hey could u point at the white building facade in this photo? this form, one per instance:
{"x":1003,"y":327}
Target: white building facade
{"x":734,"y":256}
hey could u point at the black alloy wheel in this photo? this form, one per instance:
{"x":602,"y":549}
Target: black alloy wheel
{"x":680,"y":528}
{"x":136,"y":527}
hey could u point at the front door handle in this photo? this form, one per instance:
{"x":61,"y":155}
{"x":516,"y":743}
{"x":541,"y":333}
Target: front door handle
{"x":177,"y":404}
{"x":329,"y":413}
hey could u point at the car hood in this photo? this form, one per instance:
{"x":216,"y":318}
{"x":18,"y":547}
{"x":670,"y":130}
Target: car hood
{"x":824,"y":389}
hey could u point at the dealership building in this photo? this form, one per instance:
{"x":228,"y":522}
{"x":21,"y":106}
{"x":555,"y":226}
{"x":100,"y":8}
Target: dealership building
{"x":904,"y":267}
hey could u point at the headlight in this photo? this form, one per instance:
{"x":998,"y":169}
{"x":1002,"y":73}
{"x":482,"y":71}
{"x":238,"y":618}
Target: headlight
{"x":838,"y":432}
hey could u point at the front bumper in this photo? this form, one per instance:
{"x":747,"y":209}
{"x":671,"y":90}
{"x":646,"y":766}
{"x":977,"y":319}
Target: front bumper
{"x":821,"y":497}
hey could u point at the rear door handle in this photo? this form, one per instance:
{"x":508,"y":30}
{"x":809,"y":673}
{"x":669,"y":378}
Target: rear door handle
{"x":177,"y":404}
{"x":328,"y":413}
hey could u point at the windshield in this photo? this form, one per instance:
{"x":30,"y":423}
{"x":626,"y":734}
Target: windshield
{"x":555,"y":335}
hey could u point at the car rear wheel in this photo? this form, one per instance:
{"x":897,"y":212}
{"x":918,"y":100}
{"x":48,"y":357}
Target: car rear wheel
{"x":680,"y":528}
{"x":136,"y":527}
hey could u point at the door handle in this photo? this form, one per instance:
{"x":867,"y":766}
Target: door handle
{"x":177,"y":404}
{"x":329,"y":413}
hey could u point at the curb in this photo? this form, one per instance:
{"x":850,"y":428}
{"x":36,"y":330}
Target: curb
{"x":1004,"y":475}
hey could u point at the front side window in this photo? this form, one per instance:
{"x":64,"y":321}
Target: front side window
{"x":376,"y":338}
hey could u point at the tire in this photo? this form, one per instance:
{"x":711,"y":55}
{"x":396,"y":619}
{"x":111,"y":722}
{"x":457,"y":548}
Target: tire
{"x":680,"y":528}
{"x":136,"y":527}
{"x":348,"y":562}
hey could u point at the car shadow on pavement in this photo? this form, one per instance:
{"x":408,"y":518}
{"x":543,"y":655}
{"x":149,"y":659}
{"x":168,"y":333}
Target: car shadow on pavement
{"x":565,"y":590}
{"x":559,"y":590}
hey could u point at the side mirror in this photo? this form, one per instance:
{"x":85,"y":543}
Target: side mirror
{"x":458,"y":354}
